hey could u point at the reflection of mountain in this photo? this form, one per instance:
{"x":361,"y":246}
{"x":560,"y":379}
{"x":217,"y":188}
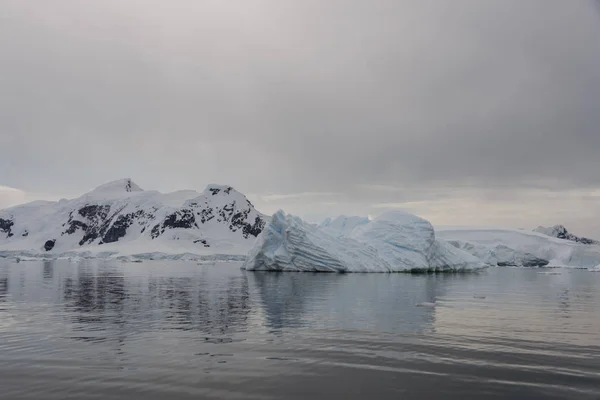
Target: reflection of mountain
{"x":96,"y":301}
{"x":3,"y":285}
{"x":378,"y":302}
{"x":215,"y":308}
{"x":106,"y":305}
{"x":48,"y":271}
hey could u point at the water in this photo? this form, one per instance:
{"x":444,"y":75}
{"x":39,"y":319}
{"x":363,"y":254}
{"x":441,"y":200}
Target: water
{"x":178,"y":330}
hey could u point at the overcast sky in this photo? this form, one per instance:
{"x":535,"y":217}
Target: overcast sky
{"x":479,"y":112}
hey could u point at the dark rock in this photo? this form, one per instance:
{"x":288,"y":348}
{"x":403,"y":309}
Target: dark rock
{"x":95,"y":217}
{"x":239,"y":221}
{"x":214,"y":191}
{"x":227,"y":211}
{"x":88,"y":237}
{"x":99,"y":224}
{"x":94,"y":211}
{"x":206,"y":215}
{"x":560,"y":232}
{"x":118,"y":229}
{"x":183,"y":218}
{"x":49,"y":245}
{"x":74,"y":226}
{"x":202,"y":241}
{"x":155,"y":232}
{"x":6,"y":226}
{"x":255,"y":229}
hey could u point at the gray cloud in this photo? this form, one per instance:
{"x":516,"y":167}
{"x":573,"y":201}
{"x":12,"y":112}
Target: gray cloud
{"x":433,"y":98}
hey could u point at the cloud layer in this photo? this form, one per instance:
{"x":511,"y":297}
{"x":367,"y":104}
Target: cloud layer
{"x":313,"y":106}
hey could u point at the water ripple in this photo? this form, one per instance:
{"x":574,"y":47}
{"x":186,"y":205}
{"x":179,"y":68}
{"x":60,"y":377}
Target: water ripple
{"x":155,"y":330}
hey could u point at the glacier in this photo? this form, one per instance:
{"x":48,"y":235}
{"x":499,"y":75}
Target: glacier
{"x":393,"y":242}
{"x":521,"y":248}
{"x":120,"y":219}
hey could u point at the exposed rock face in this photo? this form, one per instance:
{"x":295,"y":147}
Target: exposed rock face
{"x":92,"y":219}
{"x":247,"y":228}
{"x":122,"y":211}
{"x":49,"y":245}
{"x":560,"y":232}
{"x":5,"y":226}
{"x":183,"y":218}
{"x":119,"y":228}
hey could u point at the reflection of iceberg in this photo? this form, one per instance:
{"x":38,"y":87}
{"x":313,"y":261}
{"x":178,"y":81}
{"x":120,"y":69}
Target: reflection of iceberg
{"x":394,"y":242}
{"x":283,"y":297}
{"x":373,"y":303}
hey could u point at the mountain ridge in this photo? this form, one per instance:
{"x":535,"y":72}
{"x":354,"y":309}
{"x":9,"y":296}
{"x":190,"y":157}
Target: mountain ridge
{"x":219,"y":219}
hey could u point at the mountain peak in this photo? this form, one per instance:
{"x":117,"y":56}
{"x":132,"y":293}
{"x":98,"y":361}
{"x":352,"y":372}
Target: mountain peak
{"x":124,"y":185}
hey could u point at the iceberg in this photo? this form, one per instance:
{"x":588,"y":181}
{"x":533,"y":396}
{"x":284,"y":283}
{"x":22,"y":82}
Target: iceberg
{"x":394,"y":242}
{"x":343,"y":225}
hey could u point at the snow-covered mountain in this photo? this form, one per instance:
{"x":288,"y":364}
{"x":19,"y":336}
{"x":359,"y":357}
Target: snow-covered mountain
{"x":393,"y":242}
{"x":560,"y":232}
{"x":121,"y":218}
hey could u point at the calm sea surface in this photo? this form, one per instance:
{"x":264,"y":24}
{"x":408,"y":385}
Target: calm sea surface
{"x":164,"y":330}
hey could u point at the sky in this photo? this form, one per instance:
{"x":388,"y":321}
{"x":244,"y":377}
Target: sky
{"x":466,"y":112}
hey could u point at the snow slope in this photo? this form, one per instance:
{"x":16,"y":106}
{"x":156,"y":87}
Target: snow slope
{"x":394,"y":242}
{"x":121,"y":218}
{"x":501,"y":246}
